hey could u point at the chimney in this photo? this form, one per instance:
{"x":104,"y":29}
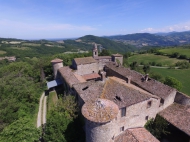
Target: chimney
{"x":129,"y":79}
{"x":103,"y":75}
{"x":146,"y":77}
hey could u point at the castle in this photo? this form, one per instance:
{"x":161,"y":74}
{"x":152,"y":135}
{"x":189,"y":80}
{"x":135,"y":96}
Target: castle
{"x":116,"y":102}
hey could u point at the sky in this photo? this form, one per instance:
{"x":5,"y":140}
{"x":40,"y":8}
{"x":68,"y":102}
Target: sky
{"x":45,"y":19}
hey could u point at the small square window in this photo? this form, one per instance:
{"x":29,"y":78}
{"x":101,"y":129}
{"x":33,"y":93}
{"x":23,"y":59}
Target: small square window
{"x":121,"y":129}
{"x":149,"y":104}
{"x":161,"y":102}
{"x":123,"y":112}
{"x":146,"y":118}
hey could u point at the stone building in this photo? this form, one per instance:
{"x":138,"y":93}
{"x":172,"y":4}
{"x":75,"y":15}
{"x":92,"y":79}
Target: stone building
{"x":116,"y":102}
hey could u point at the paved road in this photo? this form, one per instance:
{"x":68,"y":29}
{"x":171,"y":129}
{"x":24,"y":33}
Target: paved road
{"x":39,"y":119}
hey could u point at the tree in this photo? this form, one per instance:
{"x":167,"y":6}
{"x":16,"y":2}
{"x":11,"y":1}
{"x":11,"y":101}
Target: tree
{"x":170,"y":81}
{"x":157,"y":127}
{"x":21,"y":130}
{"x":157,"y":76}
{"x":175,"y":55}
{"x":105,"y":52}
{"x":60,"y":121}
{"x":146,"y":68}
{"x":127,"y":55}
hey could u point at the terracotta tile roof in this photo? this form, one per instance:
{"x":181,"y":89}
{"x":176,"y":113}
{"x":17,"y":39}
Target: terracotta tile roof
{"x":154,"y":87}
{"x":79,"y":77}
{"x":136,"y":135}
{"x":100,"y":111}
{"x":123,"y":94}
{"x":84,"y":60}
{"x":102,"y":57}
{"x":68,"y":74}
{"x":89,"y":91}
{"x":117,"y":55}
{"x":179,"y":116}
{"x":91,"y":76}
{"x":56,"y":60}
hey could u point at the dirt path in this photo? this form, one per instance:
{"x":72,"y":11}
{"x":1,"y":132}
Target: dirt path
{"x":39,"y":118}
{"x":44,"y":110}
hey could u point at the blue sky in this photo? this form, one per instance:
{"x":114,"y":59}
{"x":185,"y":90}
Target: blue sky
{"x":31,"y":19}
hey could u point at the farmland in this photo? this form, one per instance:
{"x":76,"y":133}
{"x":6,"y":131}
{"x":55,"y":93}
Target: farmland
{"x":181,"y":51}
{"x":2,"y":52}
{"x":158,"y":59}
{"x":182,"y":75}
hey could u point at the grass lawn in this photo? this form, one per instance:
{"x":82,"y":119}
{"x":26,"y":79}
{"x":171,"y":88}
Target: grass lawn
{"x":181,"y":51}
{"x":182,"y":75}
{"x":52,"y":99}
{"x":2,"y":52}
{"x":146,"y":58}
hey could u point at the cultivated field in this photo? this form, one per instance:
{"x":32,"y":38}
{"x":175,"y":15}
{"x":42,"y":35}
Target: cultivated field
{"x":181,"y":51}
{"x":2,"y":52}
{"x":21,"y":48}
{"x":146,"y":58}
{"x":31,"y":44}
{"x":182,"y":75}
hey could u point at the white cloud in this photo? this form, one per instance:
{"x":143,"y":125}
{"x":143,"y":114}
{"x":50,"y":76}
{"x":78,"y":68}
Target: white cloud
{"x":177,"y":27}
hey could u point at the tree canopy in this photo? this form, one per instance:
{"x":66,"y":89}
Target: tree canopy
{"x":170,"y":81}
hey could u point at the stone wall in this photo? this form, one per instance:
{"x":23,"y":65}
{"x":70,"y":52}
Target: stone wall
{"x":87,"y":69}
{"x":102,"y":63}
{"x":168,"y":101}
{"x":97,"y":132}
{"x":56,"y":66}
{"x":137,"y":115}
{"x":110,"y":72}
{"x":182,"y":99}
{"x":115,"y":58}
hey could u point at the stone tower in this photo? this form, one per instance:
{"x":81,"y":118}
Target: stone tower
{"x":99,"y":120}
{"x":95,"y":51}
{"x":117,"y":58}
{"x":56,"y":63}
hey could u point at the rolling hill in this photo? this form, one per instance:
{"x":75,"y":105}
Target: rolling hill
{"x":158,"y":39}
{"x":105,"y":43}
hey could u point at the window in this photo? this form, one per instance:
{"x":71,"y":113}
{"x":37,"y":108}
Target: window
{"x":161,"y":102}
{"x":149,"y":104}
{"x":121,"y":129}
{"x":85,"y":88}
{"x":146,"y":118}
{"x":123,"y":112}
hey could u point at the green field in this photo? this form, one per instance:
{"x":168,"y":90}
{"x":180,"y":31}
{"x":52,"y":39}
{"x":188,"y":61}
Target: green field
{"x":182,"y":75}
{"x":181,"y":51}
{"x":146,"y":58}
{"x":2,"y":52}
{"x":52,"y":99}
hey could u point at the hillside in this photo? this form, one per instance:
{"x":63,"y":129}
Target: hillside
{"x":105,"y":43}
{"x":158,"y":39}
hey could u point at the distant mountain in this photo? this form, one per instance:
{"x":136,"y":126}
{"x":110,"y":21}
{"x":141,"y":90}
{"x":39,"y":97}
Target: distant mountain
{"x":105,"y":43}
{"x":157,"y":39}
